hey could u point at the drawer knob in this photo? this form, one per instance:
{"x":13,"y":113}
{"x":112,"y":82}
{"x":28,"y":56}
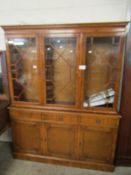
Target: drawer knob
{"x":98,"y":121}
{"x":60,"y":118}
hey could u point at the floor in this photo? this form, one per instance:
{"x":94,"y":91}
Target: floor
{"x":10,"y":166}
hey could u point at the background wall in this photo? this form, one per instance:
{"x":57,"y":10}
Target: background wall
{"x":62,"y":11}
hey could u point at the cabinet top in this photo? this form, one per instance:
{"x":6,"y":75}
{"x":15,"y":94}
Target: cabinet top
{"x":60,"y":26}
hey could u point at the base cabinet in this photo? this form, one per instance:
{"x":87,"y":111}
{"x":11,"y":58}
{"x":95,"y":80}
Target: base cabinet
{"x":65,"y":137}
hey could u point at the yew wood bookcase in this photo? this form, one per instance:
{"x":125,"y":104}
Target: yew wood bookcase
{"x":65,"y":86}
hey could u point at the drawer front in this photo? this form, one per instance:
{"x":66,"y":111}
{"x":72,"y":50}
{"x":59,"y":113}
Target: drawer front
{"x":60,"y":117}
{"x":67,"y":117}
{"x":25,"y":115}
{"x":99,"y":120}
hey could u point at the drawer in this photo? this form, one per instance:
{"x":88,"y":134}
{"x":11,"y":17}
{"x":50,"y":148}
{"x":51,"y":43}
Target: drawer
{"x":60,"y":117}
{"x":25,"y":115}
{"x":100,"y":120}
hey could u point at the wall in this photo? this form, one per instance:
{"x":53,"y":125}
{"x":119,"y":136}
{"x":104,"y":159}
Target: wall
{"x":62,"y":11}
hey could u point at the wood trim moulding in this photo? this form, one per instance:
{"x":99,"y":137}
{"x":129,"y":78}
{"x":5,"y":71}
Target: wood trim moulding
{"x":75,"y":25}
{"x":62,"y":161}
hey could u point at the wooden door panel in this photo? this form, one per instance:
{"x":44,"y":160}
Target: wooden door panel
{"x":26,"y":136}
{"x":98,"y":144}
{"x":61,"y":140}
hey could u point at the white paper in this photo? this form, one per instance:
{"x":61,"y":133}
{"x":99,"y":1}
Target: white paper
{"x":82,"y":67}
{"x":2,"y":40}
{"x":85,"y":104}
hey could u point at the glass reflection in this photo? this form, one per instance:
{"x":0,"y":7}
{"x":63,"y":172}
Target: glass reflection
{"x":23,"y":54}
{"x":60,"y":70}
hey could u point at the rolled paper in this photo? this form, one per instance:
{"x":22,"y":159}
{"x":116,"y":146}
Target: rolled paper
{"x":102,"y":102}
{"x":101,"y":95}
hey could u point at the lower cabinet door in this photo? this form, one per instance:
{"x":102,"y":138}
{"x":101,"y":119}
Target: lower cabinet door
{"x":60,"y":140}
{"x":26,"y":137}
{"x":97,"y":144}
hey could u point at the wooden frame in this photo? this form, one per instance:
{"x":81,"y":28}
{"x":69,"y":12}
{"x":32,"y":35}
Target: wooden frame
{"x":119,"y":69}
{"x":26,"y":35}
{"x":82,"y":30}
{"x":50,"y":35}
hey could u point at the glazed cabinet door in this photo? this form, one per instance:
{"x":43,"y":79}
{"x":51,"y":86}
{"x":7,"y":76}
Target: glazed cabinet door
{"x":23,"y":65}
{"x":26,"y":137}
{"x":60,"y":140}
{"x":97,"y":144}
{"x":103,"y":61}
{"x":61,"y":62}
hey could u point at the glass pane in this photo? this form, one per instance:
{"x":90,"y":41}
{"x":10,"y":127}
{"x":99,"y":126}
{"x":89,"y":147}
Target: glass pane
{"x":1,"y":79}
{"x":60,"y":63}
{"x":23,"y":55}
{"x":101,"y":61}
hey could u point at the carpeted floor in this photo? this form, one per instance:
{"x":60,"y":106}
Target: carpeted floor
{"x":10,"y":166}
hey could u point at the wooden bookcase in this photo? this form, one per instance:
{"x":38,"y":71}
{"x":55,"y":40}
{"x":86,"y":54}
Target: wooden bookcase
{"x":65,"y":92}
